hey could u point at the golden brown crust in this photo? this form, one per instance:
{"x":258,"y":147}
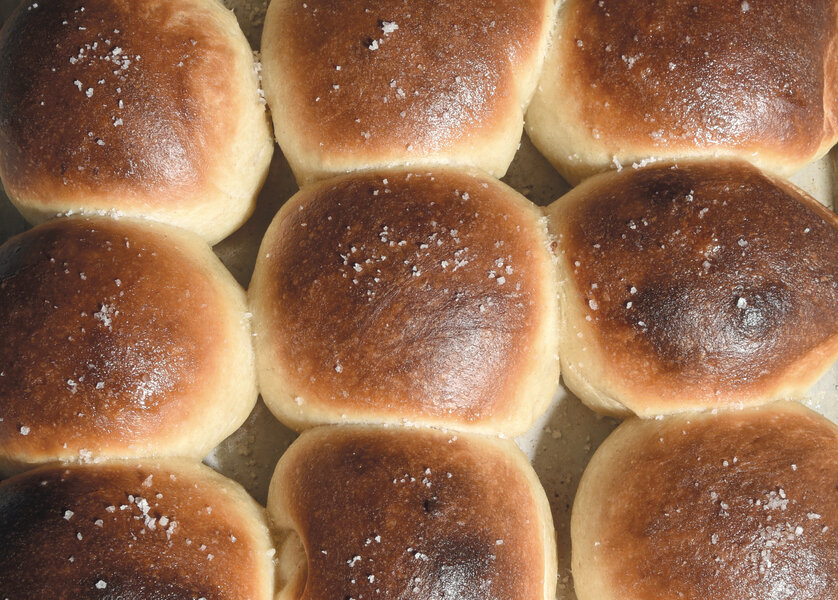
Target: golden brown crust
{"x":141,"y":128}
{"x":124,"y":105}
{"x":684,"y":78}
{"x":399,"y":81}
{"x":415,"y":513}
{"x":700,"y":284}
{"x":686,"y":72}
{"x":129,"y":530}
{"x":401,"y":295}
{"x":116,"y":337}
{"x":738,"y":505}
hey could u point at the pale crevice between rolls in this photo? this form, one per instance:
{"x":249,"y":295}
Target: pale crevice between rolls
{"x":292,"y":566}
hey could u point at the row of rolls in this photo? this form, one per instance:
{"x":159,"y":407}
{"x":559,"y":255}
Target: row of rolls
{"x":158,"y":109}
{"x":407,"y":308}
{"x":438,"y":298}
{"x":738,"y":504}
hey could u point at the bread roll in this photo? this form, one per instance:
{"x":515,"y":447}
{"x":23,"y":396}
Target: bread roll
{"x":739,"y":505}
{"x":420,"y":82}
{"x":145,"y":531}
{"x":372,"y":512}
{"x":120,"y":339}
{"x":396,"y":296}
{"x":144,"y":108}
{"x":630,"y":81}
{"x":694,"y":286}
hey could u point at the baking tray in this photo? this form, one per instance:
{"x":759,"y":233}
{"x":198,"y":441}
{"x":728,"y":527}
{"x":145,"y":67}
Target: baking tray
{"x":559,"y":444}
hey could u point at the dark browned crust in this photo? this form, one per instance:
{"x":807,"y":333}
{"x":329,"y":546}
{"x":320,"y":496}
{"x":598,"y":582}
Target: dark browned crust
{"x":447,"y":72}
{"x":413,"y":513}
{"x":145,"y":533}
{"x":735,"y":276}
{"x":751,"y":75}
{"x":407,"y":294}
{"x":119,"y":95}
{"x":711,"y":509}
{"x":103,"y":339}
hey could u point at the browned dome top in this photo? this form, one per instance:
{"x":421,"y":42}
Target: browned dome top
{"x":739,"y":73}
{"x":707,"y":275}
{"x":111,"y":94}
{"x":106,"y":335}
{"x":407,"y":293}
{"x":124,"y":530}
{"x":737,"y":506}
{"x":415,"y":514}
{"x":414,"y":74}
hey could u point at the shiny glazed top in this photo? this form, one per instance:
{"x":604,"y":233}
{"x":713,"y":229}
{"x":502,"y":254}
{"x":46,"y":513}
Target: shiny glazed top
{"x":737,"y":505}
